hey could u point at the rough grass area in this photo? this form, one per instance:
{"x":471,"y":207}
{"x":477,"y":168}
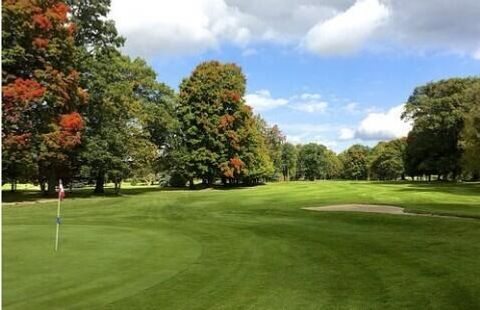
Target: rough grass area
{"x":247,"y":248}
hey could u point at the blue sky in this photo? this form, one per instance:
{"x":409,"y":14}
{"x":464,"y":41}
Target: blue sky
{"x":332,"y":72}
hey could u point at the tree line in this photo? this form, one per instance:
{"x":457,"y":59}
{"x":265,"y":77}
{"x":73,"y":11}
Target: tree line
{"x":74,"y":107}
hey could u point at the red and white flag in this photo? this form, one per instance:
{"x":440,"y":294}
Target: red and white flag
{"x":61,"y":191}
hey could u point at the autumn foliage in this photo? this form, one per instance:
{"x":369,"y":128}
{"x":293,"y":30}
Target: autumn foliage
{"x":40,"y":43}
{"x":226,"y":121}
{"x":219,"y":132}
{"x":22,"y":91}
{"x":72,"y":122}
{"x":40,"y":86}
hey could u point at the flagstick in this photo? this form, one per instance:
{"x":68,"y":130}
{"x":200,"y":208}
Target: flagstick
{"x":58,"y":221}
{"x":58,"y":225}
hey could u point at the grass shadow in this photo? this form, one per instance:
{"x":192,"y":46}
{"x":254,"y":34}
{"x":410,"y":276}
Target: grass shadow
{"x":86,"y":192}
{"x":29,"y":195}
{"x":464,"y":189}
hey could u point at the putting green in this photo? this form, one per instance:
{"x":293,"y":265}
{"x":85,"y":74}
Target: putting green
{"x":126,"y":261}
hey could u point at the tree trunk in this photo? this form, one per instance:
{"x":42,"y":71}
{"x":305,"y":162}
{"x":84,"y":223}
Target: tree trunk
{"x":52,"y":183}
{"x":190,"y":183}
{"x":43,"y":187}
{"x":209,"y":181}
{"x":100,"y":183}
{"x":117,"y":186}
{"x":14,"y":186}
{"x":475,"y":176}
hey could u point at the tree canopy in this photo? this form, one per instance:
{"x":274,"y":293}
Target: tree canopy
{"x":41,"y":94}
{"x":438,"y":110}
{"x":219,"y":135}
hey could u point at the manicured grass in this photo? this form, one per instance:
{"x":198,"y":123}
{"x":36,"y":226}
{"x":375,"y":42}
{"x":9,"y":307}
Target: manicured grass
{"x":247,"y":248}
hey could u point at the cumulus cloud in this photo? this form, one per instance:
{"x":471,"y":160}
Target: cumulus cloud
{"x":383,"y":126}
{"x":328,"y":27}
{"x":312,"y":107}
{"x":310,"y":96}
{"x":476,"y":55}
{"x":330,"y":144}
{"x":346,"y":134}
{"x":308,"y":132}
{"x":182,"y":26}
{"x":295,"y":139}
{"x":436,"y":25}
{"x":307,"y":129}
{"x":262,"y":100}
{"x":346,"y":32}
{"x":308,"y":102}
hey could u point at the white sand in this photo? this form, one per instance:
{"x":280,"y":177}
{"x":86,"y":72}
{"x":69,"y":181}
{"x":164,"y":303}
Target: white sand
{"x":360,"y":208}
{"x":373,"y":209}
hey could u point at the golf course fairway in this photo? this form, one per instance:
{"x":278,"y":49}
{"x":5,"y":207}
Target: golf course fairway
{"x":247,"y":248}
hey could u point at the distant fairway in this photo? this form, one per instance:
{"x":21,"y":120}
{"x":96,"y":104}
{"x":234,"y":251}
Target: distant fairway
{"x":247,"y":248}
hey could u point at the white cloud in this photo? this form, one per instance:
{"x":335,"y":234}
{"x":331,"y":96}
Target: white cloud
{"x":325,"y":27}
{"x":305,"y":129}
{"x":348,"y":31}
{"x":308,"y":102}
{"x":383,"y":126}
{"x":312,"y":107}
{"x":309,"y":96}
{"x":330,"y":144}
{"x":476,"y":55}
{"x":296,"y":139}
{"x":432,"y":25}
{"x":262,"y":100}
{"x":311,"y":133}
{"x":181,"y":26}
{"x":346,"y":134}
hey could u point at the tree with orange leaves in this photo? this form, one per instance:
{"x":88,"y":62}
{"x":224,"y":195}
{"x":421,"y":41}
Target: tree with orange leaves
{"x":219,"y":136}
{"x":40,"y":90}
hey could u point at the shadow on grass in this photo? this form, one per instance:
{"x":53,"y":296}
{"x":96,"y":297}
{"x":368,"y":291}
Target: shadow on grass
{"x":37,"y":195}
{"x":87,"y":192}
{"x":464,"y":189}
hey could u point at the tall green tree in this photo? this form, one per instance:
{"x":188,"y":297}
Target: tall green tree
{"x":217,"y":132}
{"x":94,"y":32}
{"x":275,"y":139}
{"x":255,"y":153}
{"x":437,"y":110}
{"x":311,"y":161}
{"x":124,"y":119}
{"x":387,"y":160}
{"x":333,"y":166}
{"x":289,"y":159}
{"x":470,"y":134}
{"x":355,"y":162}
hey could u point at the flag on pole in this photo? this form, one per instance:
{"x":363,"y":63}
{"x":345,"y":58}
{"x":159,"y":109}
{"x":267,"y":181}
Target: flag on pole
{"x":61,"y":195}
{"x":61,"y":191}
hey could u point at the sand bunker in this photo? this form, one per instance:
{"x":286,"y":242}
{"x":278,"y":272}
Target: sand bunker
{"x":360,"y":208}
{"x":370,"y":209}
